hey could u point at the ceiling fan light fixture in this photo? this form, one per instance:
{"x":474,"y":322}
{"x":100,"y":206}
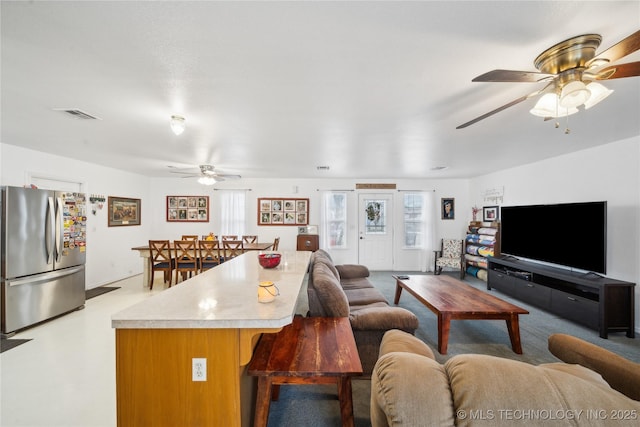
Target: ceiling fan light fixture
{"x":207,"y":180}
{"x":546,"y":106}
{"x":573,"y":94}
{"x":598,"y":93}
{"x":177,"y":124}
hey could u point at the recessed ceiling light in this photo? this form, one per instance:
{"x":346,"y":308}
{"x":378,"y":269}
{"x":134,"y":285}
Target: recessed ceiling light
{"x":439,"y":168}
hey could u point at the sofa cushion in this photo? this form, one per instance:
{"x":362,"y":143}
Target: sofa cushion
{"x":327,"y":262}
{"x":360,"y":283}
{"x":352,"y":271}
{"x":501,"y":392}
{"x":621,"y":373}
{"x":410,"y":390}
{"x":329,"y":292}
{"x":364,"y":296}
{"x":396,"y":340}
{"x":383,"y":317}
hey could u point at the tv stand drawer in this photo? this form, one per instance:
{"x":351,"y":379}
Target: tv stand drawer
{"x":573,"y":307}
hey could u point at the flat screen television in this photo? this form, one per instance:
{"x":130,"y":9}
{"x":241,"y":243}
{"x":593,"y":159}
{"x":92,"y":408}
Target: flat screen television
{"x":570,"y":234}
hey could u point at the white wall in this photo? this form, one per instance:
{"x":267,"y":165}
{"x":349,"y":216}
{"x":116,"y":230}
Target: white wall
{"x":313,"y":190}
{"x":109,"y":254}
{"x":609,"y":172}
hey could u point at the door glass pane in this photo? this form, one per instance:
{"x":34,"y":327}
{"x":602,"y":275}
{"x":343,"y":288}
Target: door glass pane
{"x":376,"y":218}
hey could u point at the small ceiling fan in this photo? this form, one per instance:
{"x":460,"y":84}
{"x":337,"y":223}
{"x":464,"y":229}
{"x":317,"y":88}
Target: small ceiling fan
{"x":207,"y":174}
{"x":569,"y":71}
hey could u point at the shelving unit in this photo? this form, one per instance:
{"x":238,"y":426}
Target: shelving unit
{"x":482,"y":242}
{"x":597,"y":302}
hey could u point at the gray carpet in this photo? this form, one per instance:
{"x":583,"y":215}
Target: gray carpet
{"x":317,"y":405}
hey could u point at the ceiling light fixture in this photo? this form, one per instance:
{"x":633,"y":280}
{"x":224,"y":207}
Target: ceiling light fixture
{"x":567,"y":98}
{"x":177,"y":124}
{"x":598,"y":93}
{"x":547,"y":106}
{"x":207,"y":180}
{"x":573,"y":94}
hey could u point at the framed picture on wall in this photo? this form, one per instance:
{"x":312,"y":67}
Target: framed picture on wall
{"x":281,"y":211}
{"x":187,"y":208}
{"x":447,"y":206}
{"x":490,"y":213}
{"x":123,"y":211}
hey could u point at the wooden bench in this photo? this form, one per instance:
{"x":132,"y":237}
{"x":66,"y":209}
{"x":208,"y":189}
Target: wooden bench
{"x":312,"y":350}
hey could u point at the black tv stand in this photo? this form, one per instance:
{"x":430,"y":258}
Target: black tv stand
{"x":597,"y":302}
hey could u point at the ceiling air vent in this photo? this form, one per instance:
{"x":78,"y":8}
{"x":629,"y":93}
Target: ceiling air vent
{"x":322,"y":168}
{"x":77,"y":113}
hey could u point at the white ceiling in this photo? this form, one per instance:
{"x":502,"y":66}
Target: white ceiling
{"x":275,"y":89}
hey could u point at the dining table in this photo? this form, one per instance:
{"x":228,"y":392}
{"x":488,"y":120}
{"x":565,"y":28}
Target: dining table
{"x":145,"y":254}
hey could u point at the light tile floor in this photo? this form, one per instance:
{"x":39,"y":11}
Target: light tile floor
{"x":65,"y":376}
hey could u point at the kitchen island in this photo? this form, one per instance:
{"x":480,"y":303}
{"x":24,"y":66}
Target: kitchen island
{"x":215,"y":317}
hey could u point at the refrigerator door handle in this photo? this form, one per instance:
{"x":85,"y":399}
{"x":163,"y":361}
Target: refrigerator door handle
{"x":45,"y":277}
{"x":59,"y":229}
{"x":50,"y":227}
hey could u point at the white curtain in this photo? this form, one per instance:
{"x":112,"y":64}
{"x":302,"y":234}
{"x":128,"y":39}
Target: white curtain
{"x":429,"y":218}
{"x":232,"y":212}
{"x":333,"y":220}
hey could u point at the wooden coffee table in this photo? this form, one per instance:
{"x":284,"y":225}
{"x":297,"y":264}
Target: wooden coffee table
{"x":450,"y":298}
{"x":311,"y":350}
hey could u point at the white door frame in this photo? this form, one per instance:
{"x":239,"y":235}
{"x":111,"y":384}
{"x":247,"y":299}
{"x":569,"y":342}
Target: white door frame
{"x":375,"y":247}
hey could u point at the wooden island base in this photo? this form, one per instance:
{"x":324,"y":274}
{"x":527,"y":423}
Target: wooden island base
{"x":155,"y":387}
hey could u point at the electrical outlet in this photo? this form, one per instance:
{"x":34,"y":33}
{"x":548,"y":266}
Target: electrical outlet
{"x":199,"y":369}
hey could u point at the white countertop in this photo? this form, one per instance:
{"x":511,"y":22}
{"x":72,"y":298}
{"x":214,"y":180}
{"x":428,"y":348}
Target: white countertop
{"x":223,"y":297}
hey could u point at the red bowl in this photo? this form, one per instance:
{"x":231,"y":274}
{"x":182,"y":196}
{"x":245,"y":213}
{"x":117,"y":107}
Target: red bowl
{"x":269,"y":260}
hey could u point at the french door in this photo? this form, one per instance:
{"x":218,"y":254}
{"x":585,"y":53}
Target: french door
{"x":375,"y":230}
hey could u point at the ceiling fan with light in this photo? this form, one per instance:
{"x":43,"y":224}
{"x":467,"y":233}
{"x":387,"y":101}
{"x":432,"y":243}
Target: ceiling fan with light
{"x":569,"y":70}
{"x":207,"y":175}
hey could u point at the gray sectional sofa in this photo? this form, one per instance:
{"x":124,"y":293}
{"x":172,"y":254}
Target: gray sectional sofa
{"x":345,"y":291}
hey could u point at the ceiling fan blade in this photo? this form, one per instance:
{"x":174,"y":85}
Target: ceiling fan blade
{"x":619,"y":50}
{"x":185,"y":173}
{"x":512,"y":76}
{"x":227,"y":176}
{"x":631,"y":69}
{"x":504,"y":107}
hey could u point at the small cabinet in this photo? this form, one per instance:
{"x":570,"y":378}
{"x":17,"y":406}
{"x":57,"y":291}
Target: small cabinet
{"x":308,"y":242}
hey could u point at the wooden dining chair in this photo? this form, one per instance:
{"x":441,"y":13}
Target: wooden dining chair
{"x":186,"y":258}
{"x":208,"y":254}
{"x":232,"y":249}
{"x":160,"y":259}
{"x":189,"y":237}
{"x":276,"y":243}
{"x":249,"y":238}
{"x":230,"y":237}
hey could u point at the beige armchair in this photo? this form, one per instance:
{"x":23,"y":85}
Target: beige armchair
{"x":451,"y":254}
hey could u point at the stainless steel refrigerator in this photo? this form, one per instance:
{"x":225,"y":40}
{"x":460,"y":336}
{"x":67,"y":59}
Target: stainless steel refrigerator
{"x":43,"y":252}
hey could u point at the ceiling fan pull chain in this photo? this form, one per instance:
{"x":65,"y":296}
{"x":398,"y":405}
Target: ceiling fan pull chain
{"x":567,"y":131}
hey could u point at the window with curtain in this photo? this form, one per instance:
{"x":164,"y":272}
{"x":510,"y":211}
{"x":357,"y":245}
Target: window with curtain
{"x":335,"y":220}
{"x":418,"y":223}
{"x":413,"y":220}
{"x":232,"y":212}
